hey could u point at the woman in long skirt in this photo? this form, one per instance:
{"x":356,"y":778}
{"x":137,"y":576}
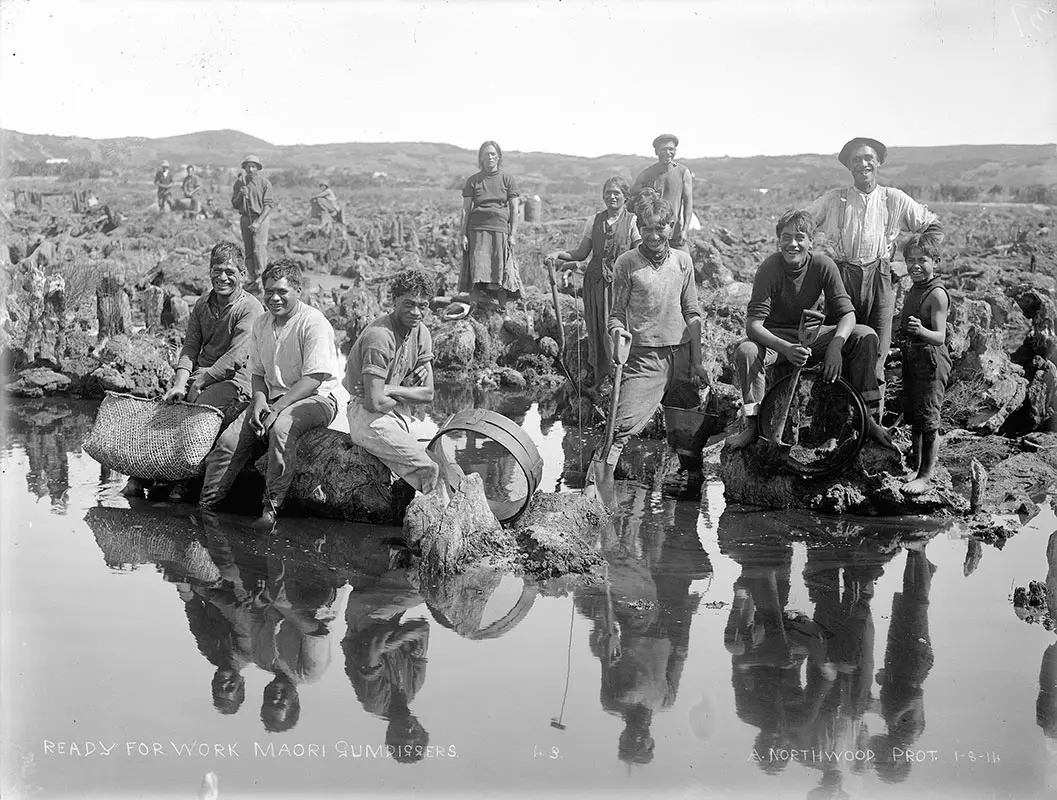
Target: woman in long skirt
{"x":606,"y":235}
{"x":489,"y":231}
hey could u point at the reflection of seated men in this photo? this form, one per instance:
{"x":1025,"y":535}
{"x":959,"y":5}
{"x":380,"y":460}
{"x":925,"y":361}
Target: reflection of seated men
{"x":225,"y":617}
{"x":768,"y":647}
{"x":390,"y":367}
{"x":908,"y":660}
{"x":787,"y":283}
{"x":385,"y":658}
{"x":294,"y":642}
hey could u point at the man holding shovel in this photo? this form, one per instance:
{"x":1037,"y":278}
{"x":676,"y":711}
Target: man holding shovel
{"x":787,"y":284}
{"x":252,"y":197}
{"x":655,"y":306}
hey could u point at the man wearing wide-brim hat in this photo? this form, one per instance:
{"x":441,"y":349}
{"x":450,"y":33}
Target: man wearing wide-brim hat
{"x":674,"y":182}
{"x":163,"y":182}
{"x":861,"y":224}
{"x":253,"y":198}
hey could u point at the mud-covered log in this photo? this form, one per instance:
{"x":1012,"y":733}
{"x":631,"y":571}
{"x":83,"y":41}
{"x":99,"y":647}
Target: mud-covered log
{"x":871,"y":485}
{"x":338,"y":479}
{"x":556,"y":534}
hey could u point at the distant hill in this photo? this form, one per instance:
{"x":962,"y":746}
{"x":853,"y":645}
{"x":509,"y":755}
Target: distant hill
{"x":443,"y":165}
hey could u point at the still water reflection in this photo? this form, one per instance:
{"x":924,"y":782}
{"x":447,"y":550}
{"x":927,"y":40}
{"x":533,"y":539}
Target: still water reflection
{"x":728,"y":653}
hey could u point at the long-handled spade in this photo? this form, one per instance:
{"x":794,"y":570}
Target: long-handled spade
{"x":621,"y":348}
{"x":561,"y":333}
{"x":807,"y":334}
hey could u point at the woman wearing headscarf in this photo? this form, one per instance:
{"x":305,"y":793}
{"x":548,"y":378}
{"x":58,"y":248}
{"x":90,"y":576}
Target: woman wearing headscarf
{"x":489,"y":230}
{"x":606,"y":235}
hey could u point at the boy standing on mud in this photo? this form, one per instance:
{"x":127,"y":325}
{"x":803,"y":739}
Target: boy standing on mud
{"x":253,"y":198}
{"x":390,"y":367}
{"x":786,"y":284}
{"x":293,"y":372}
{"x":926,"y":360}
{"x":655,"y":304}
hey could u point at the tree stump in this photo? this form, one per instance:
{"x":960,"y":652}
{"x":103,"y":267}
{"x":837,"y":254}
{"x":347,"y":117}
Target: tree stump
{"x":113,"y":310}
{"x":152,"y":301}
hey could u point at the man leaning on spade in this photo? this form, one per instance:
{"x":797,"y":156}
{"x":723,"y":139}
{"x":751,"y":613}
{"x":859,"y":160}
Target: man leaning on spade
{"x":253,"y":198}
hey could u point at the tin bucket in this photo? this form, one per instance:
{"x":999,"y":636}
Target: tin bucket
{"x":499,"y":450}
{"x":688,"y":429}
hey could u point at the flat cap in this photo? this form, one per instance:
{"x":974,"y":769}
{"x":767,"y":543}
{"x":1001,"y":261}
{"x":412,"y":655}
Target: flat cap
{"x":665,"y":137}
{"x":851,"y":144}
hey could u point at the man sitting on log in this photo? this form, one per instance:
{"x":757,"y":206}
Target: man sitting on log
{"x":213,"y":367}
{"x":787,"y":283}
{"x":293,"y":372}
{"x":389,"y":368}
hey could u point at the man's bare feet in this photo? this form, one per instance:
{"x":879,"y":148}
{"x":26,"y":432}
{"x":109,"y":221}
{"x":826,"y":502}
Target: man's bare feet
{"x":749,"y":433}
{"x":917,"y":486}
{"x":880,"y":435}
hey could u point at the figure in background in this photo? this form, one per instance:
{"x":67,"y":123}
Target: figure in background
{"x":862,"y":224}
{"x":489,"y":231}
{"x":163,"y":182}
{"x":325,"y":206}
{"x":213,"y":365}
{"x":293,"y":374}
{"x":609,"y":234}
{"x":191,"y":187}
{"x":674,"y":182}
{"x":926,"y":360}
{"x":253,"y":198}
{"x":390,"y":369}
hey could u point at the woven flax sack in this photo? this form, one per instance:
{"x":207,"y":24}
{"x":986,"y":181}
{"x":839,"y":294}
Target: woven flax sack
{"x":150,"y":439}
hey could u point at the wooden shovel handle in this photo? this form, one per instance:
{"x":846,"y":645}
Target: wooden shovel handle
{"x":621,"y":346}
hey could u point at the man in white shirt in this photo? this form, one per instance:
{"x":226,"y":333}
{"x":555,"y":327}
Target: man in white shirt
{"x":293,"y":369}
{"x":862,"y":224}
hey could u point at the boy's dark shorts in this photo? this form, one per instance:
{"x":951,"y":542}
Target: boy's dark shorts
{"x":926,"y":371}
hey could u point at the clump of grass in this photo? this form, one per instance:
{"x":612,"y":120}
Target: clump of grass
{"x":963,"y":399}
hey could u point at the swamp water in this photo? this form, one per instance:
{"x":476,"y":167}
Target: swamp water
{"x":146,"y":646}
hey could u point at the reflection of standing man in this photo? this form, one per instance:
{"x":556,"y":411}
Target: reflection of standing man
{"x":863,"y":223}
{"x":674,"y":182}
{"x":253,"y":198}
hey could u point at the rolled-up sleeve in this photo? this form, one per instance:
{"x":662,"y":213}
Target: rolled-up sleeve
{"x":688,"y":296}
{"x":618,"y":314}
{"x":318,"y":353}
{"x":916,"y":216}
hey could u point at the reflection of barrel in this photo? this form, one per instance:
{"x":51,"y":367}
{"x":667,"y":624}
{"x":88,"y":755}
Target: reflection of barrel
{"x":533,"y":209}
{"x":457,"y":440}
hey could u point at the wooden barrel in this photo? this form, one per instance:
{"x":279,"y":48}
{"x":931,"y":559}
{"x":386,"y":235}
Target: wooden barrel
{"x":499,"y":450}
{"x":533,"y":209}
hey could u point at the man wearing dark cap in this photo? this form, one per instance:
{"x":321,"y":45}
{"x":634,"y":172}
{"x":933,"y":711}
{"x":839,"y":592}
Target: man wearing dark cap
{"x":861,"y":224}
{"x":252,"y":197}
{"x":674,"y":182}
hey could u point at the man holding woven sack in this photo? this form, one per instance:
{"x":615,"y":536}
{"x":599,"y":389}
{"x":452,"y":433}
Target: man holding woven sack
{"x":293,"y":369}
{"x":213,"y":367}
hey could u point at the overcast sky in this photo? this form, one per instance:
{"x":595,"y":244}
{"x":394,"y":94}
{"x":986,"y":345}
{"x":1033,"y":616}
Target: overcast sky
{"x":735,"y":78}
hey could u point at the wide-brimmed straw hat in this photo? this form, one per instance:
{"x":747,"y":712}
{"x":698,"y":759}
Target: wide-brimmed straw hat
{"x":851,"y":144}
{"x":252,"y":160}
